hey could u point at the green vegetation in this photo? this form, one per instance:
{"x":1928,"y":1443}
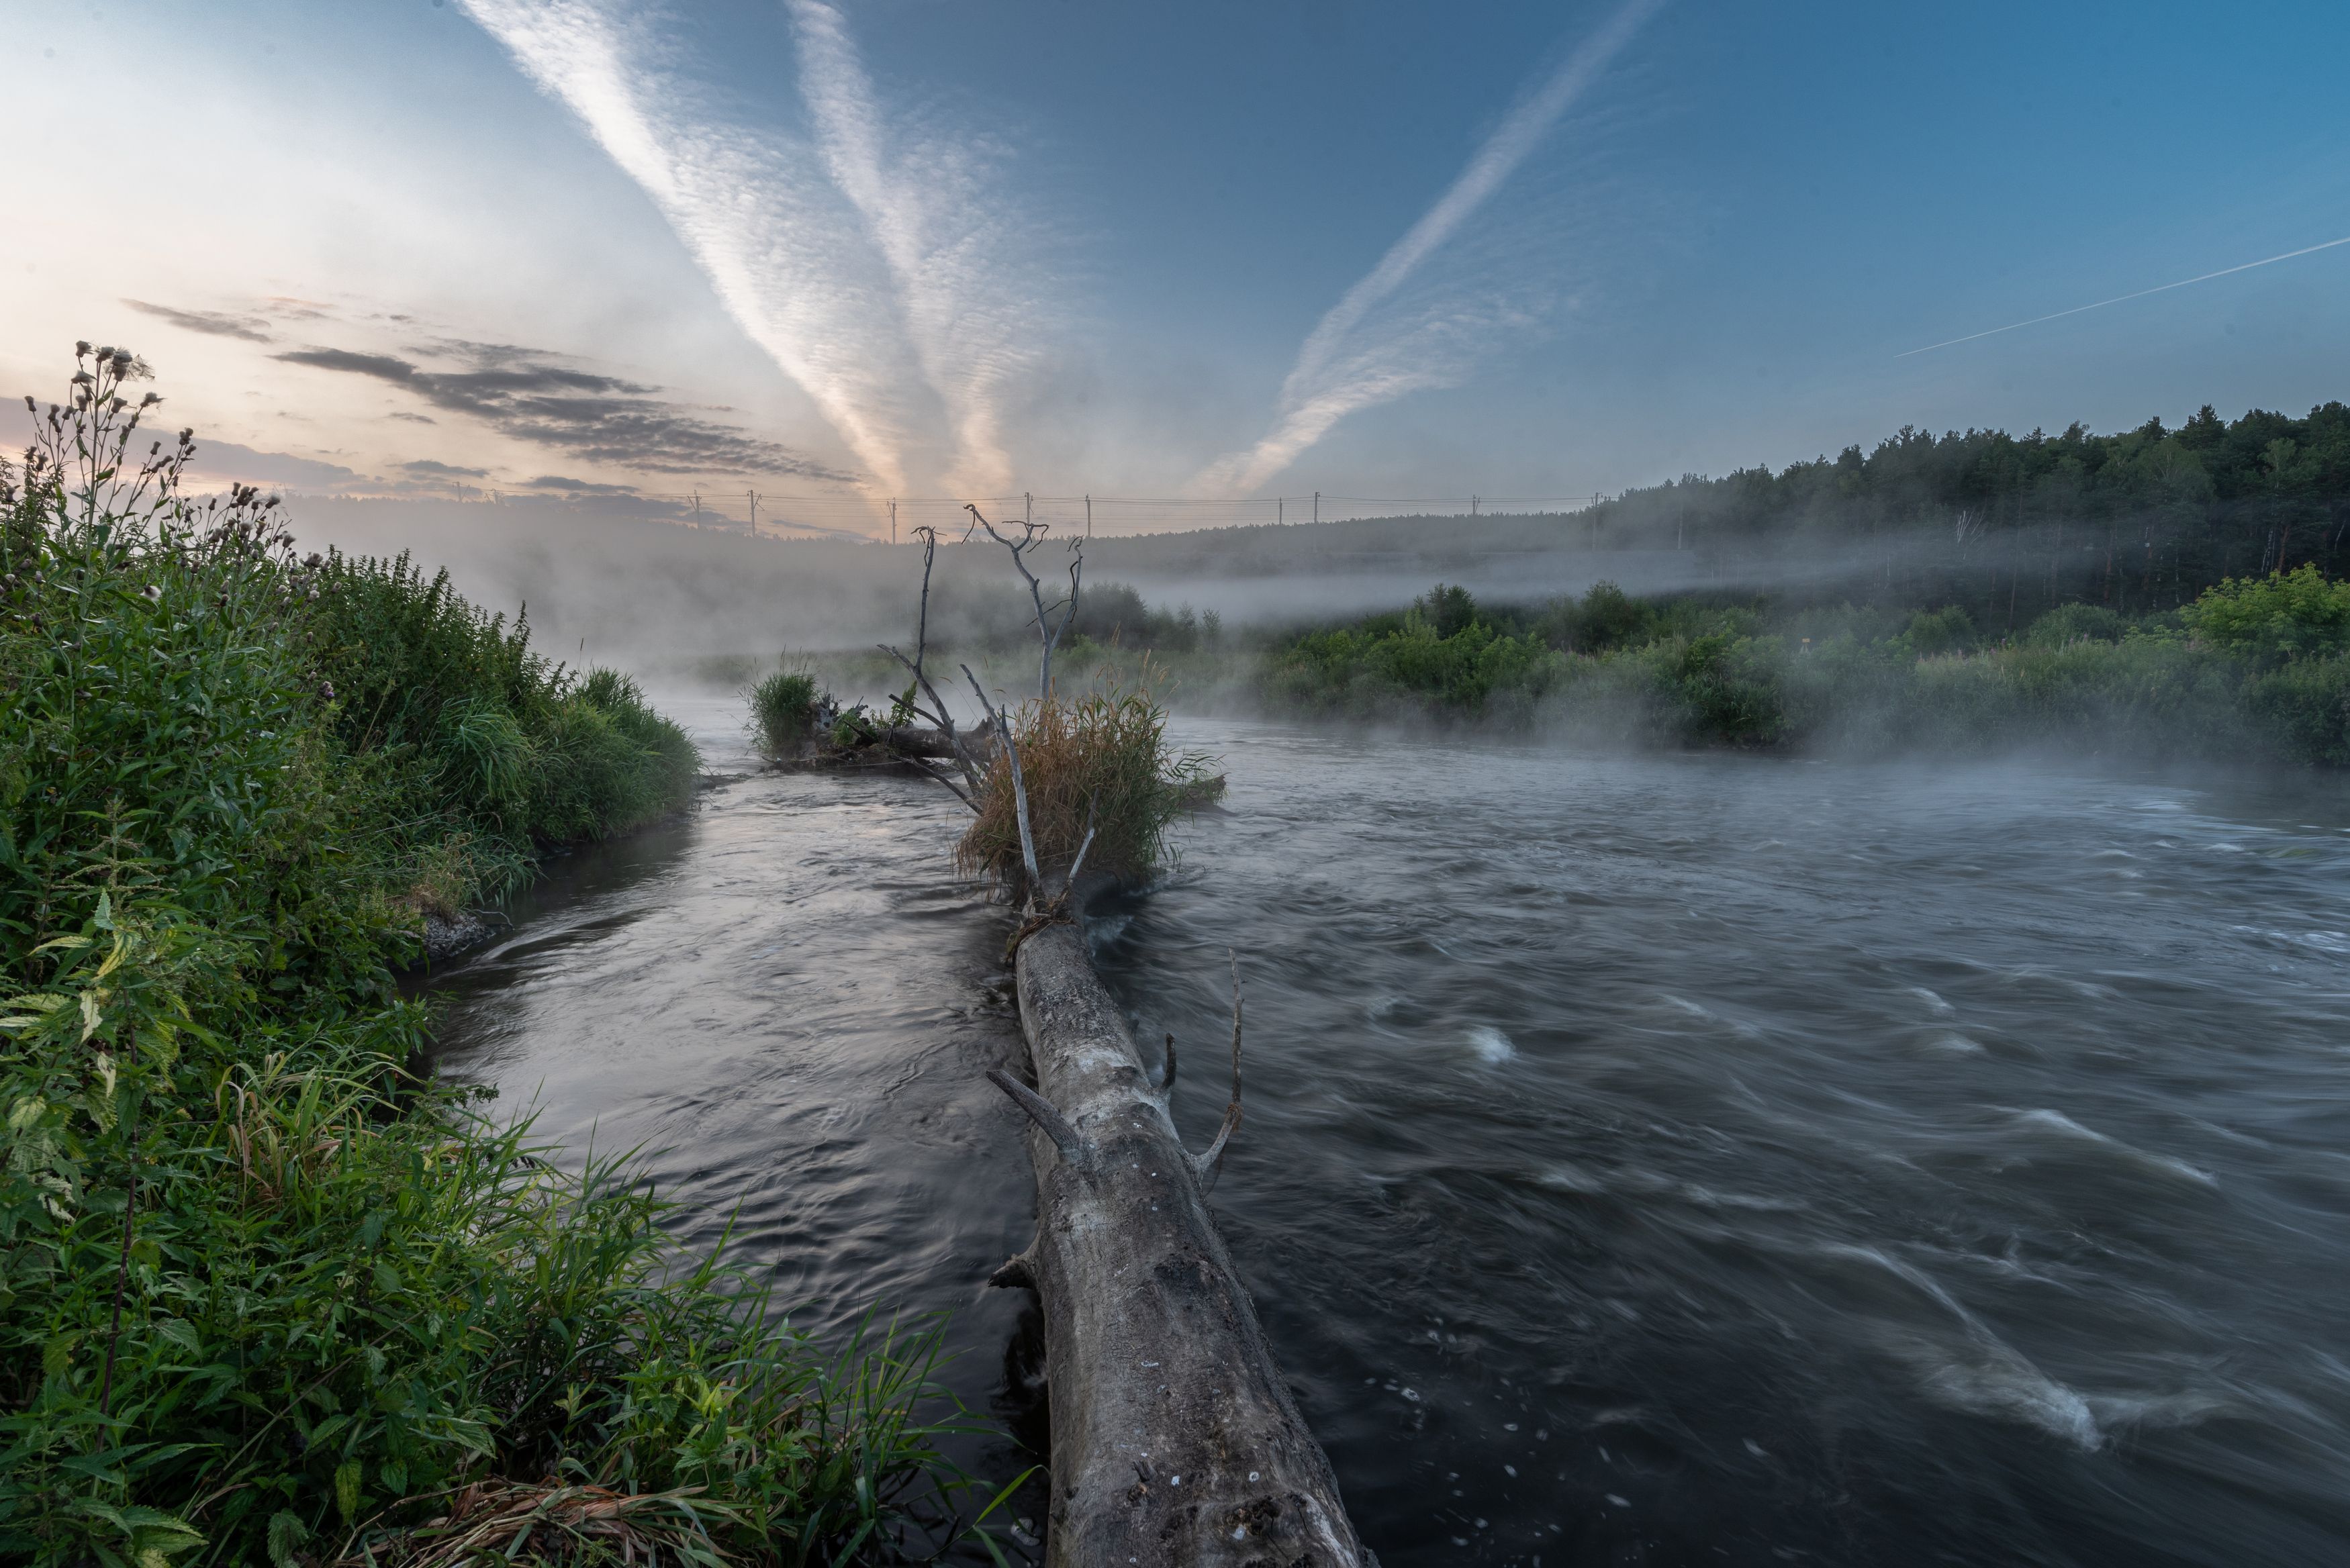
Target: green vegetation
{"x":1099,"y":762}
{"x":265,"y":1297}
{"x":2252,"y":668}
{"x":2010,"y":527}
{"x":1114,"y":613}
{"x":784,"y":710}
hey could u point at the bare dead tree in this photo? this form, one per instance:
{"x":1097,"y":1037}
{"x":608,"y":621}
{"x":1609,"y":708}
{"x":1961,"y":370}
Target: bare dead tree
{"x":936,"y":713}
{"x":1048,"y":630}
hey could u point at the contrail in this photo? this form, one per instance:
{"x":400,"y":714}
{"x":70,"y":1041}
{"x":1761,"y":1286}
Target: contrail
{"x":929,"y":215}
{"x":1310,"y":405}
{"x":2124,"y":298}
{"x":782,"y":248}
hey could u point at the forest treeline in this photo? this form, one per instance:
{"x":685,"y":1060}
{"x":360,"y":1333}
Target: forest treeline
{"x":2010,"y":527}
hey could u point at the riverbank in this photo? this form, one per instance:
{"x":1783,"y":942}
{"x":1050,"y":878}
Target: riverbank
{"x":268,"y":1296}
{"x":2257,"y":669}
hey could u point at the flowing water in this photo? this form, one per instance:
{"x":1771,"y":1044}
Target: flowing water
{"x":1658,"y":1160}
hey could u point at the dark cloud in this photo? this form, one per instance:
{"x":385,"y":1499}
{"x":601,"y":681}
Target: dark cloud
{"x":602,"y":419}
{"x":584,"y":486}
{"x":215,"y":323}
{"x":427,"y":467}
{"x":413,"y":419}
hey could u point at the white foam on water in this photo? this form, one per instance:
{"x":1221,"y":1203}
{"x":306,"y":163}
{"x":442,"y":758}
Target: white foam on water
{"x":1934,"y":1004}
{"x":1981,"y":1374}
{"x":1492,"y":1046}
{"x":1567,"y":1178}
{"x":2061,"y":1126}
{"x":1956,"y":1044}
{"x":1998,"y":1382}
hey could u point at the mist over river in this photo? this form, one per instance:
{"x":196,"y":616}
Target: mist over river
{"x":1670,"y":1160}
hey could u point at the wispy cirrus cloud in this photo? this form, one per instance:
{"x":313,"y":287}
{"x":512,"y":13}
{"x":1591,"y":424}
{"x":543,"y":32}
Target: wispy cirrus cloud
{"x":950,"y":250}
{"x":1386,"y":337}
{"x":866,"y":263}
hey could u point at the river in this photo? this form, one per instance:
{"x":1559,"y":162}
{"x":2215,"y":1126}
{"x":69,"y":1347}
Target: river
{"x":1670,"y":1160}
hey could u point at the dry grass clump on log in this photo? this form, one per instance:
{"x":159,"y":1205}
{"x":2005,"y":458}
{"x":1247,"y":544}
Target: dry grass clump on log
{"x":1100,"y":763}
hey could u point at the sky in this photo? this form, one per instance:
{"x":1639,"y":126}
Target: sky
{"x":838,"y":253}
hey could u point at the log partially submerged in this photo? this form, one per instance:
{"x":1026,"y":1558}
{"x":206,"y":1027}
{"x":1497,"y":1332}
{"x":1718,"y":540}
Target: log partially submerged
{"x":1174,"y":1438}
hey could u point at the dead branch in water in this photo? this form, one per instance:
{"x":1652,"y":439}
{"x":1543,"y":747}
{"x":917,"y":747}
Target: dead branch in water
{"x":1019,"y":779}
{"x":939,"y":715}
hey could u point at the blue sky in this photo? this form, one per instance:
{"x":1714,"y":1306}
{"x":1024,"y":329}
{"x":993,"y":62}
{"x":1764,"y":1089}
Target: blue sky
{"x":978,"y":247}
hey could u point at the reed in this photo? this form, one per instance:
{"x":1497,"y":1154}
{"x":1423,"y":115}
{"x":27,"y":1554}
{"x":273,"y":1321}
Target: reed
{"x":1099,"y":762}
{"x":783,"y":711}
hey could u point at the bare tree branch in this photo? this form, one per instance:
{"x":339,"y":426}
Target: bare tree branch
{"x":1209,"y":1166}
{"x":1019,"y":781}
{"x":1078,"y":865}
{"x":1048,"y":631}
{"x":1073,"y":1148}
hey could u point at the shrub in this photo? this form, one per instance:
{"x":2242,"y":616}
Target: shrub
{"x":2075,"y":623}
{"x":263,"y":1298}
{"x":2272,"y":620}
{"x":782,"y":709}
{"x":1945,"y":630}
{"x":1100,"y":759}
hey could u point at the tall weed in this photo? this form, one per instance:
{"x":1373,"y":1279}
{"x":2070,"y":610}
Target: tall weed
{"x":265,"y":1297}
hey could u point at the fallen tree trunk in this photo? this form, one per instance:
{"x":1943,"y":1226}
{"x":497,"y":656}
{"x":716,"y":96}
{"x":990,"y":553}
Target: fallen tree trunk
{"x":911,"y":741}
{"x":1175,"y":1440}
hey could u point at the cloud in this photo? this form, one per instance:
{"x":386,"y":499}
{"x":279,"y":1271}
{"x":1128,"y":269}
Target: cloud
{"x":879,"y":269}
{"x":1379,"y":341}
{"x":931,"y":210}
{"x":242,"y":465}
{"x":602,"y":418}
{"x":413,"y":419}
{"x":425,"y":467}
{"x":780,"y":245}
{"x":584,"y":486}
{"x":213,"y":323}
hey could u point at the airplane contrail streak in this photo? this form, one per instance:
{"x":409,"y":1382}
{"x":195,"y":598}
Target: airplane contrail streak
{"x":2124,"y":298}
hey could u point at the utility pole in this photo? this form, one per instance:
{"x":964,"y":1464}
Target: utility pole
{"x":754,"y":512}
{"x":1090,"y":515}
{"x":1278,"y":520}
{"x":697,"y":506}
{"x":893,"y":520}
{"x":1027,"y":507}
{"x":1317,"y":506}
{"x":1472,"y":506}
